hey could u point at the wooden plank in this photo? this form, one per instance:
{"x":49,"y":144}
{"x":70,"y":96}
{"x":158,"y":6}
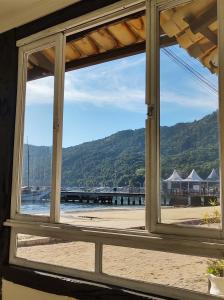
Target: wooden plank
{"x":203,"y":21}
{"x":201,"y":24}
{"x":110,"y":55}
{"x":115,"y":54}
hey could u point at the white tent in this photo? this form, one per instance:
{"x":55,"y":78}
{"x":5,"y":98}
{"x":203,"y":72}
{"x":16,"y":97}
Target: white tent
{"x":213,"y":176}
{"x":175,"y":177}
{"x":193,"y":177}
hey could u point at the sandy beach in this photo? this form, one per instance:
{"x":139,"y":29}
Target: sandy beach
{"x":134,"y":217}
{"x":151,"y":266}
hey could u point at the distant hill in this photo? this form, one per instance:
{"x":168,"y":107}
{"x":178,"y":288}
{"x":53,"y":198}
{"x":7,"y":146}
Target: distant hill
{"x":119,"y":158}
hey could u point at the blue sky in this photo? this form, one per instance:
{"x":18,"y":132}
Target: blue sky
{"x":106,"y":98}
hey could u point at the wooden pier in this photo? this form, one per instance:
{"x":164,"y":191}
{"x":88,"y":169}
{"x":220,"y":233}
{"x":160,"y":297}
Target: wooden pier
{"x":105,"y":198}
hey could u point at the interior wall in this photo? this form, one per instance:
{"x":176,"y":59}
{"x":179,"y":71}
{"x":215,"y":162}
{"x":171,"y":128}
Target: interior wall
{"x":8,"y":88}
{"x":12,"y":291}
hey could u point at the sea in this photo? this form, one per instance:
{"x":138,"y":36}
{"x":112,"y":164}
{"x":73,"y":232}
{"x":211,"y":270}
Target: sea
{"x":44,"y":207}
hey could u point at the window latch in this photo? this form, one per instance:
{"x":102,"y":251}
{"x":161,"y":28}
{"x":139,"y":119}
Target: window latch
{"x":150,"y":111}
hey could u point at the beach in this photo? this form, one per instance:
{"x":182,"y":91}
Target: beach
{"x":130,"y":217}
{"x":150,"y":266}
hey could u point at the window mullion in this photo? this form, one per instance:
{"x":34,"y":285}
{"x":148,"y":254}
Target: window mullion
{"x":19,"y":130}
{"x":152,"y":100}
{"x":221,"y":103}
{"x":57,"y":128}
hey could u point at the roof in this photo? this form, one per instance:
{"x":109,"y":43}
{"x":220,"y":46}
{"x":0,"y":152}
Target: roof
{"x":175,"y":177}
{"x":193,"y":26}
{"x":193,"y":177}
{"x":213,"y":176}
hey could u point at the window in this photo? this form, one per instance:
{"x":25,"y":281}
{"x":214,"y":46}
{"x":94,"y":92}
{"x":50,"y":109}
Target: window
{"x":104,"y":113}
{"x":186,"y":94}
{"x":56,"y":171}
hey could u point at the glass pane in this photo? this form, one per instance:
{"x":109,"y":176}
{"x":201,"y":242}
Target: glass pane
{"x":103,"y":166}
{"x":38,"y":133}
{"x":169,"y":269}
{"x":189,"y":143}
{"x":58,"y":252}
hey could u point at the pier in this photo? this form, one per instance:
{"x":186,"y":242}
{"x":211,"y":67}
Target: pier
{"x":104,"y":198}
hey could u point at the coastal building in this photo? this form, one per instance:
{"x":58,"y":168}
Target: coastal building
{"x":175,"y":189}
{"x":43,"y":257}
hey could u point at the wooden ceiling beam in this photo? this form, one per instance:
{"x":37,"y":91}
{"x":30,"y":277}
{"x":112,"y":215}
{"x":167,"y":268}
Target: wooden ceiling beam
{"x":201,"y":24}
{"x":93,"y":43}
{"x":210,"y":35}
{"x":113,"y":37}
{"x":37,"y":73}
{"x":203,"y":21}
{"x":105,"y":57}
{"x":40,"y":60}
{"x":117,"y":53}
{"x":135,"y":33}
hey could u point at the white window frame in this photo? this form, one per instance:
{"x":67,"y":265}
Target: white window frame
{"x":154,"y":224}
{"x":158,"y":237}
{"x":56,"y":41}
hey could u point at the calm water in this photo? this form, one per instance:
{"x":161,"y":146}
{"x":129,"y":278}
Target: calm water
{"x":44,"y":207}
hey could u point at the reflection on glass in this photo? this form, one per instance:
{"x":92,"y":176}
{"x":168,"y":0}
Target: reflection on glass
{"x":38,"y":133}
{"x":189,"y":143}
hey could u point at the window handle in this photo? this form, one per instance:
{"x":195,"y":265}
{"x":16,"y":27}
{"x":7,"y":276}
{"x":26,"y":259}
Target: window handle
{"x":150,"y":111}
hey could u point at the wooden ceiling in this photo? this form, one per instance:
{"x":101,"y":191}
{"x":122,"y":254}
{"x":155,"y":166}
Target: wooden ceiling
{"x":195,"y":28}
{"x":192,"y":26}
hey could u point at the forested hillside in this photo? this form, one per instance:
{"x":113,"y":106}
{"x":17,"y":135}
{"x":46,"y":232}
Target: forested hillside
{"x":118,"y":160}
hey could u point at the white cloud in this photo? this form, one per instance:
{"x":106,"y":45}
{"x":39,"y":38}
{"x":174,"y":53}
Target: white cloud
{"x":115,"y":85}
{"x":194,"y":100}
{"x":40,"y":91}
{"x":101,"y":85}
{"x":117,"y":96}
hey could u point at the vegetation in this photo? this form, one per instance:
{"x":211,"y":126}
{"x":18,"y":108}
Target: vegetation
{"x":119,"y":160}
{"x":216,"y":267}
{"x":213,"y":216}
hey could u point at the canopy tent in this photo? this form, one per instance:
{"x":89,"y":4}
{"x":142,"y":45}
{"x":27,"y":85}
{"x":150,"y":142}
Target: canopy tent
{"x":175,"y":177}
{"x":213,"y":176}
{"x":193,"y":177}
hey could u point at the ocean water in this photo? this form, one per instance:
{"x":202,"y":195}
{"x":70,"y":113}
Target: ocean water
{"x":44,"y":207}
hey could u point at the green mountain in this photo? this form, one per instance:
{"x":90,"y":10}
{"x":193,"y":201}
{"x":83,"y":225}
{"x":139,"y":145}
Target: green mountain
{"x":119,"y":158}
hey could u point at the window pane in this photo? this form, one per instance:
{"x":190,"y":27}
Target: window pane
{"x":169,"y":269}
{"x":58,"y":252}
{"x":103,"y":165}
{"x":189,"y":143}
{"x":38,"y":133}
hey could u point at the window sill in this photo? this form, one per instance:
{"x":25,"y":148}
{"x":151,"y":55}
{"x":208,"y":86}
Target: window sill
{"x":60,"y":285}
